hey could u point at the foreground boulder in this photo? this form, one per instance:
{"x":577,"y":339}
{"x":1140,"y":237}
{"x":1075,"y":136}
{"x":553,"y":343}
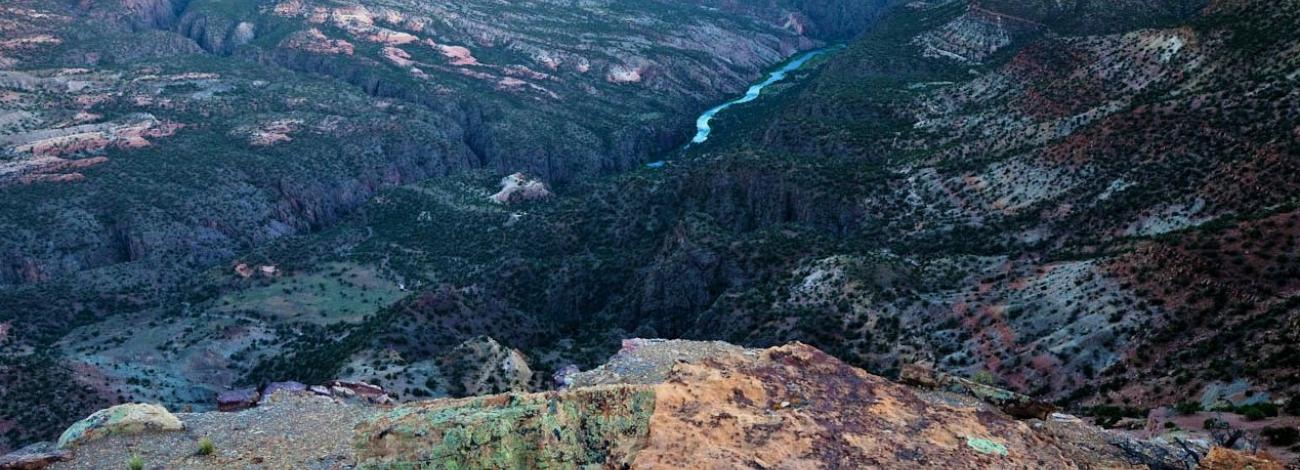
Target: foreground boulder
{"x":131,"y":418}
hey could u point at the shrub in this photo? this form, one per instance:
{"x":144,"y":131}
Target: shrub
{"x":1258,"y":411}
{"x":206,"y":446}
{"x":1281,"y":437}
{"x":1254,"y":414}
{"x":135,"y":463}
{"x":1188,"y":407}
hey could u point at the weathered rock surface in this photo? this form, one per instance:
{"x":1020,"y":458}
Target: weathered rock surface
{"x":1014,"y":404}
{"x":1220,"y":458}
{"x":33,"y":457}
{"x":131,"y":418}
{"x":657,"y":404}
{"x":519,"y":187}
{"x":597,"y":426}
{"x":274,"y":387}
{"x":235,"y":400}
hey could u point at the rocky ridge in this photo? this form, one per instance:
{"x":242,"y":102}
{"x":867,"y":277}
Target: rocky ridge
{"x":657,"y":404}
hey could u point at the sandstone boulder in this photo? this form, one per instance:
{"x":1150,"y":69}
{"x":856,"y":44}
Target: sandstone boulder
{"x":131,"y":418}
{"x":235,"y":400}
{"x":1221,"y":458}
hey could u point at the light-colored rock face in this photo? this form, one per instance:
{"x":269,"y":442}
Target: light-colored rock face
{"x":525,"y":36}
{"x":519,"y":187}
{"x":131,"y":418}
{"x":968,"y":39}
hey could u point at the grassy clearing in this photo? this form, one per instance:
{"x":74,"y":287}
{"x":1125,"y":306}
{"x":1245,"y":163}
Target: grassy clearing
{"x":335,"y":292}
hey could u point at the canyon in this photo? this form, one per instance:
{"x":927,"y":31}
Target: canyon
{"x":1091,"y":204}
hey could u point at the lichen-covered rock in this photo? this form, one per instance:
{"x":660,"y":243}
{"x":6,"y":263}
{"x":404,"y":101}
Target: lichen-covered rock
{"x":131,"y":418}
{"x":1014,"y":404}
{"x":687,"y":404}
{"x":598,"y":426}
{"x":656,"y":405}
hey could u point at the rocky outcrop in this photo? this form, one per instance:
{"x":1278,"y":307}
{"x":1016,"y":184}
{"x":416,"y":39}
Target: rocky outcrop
{"x":131,"y":418}
{"x":969,"y":38}
{"x":235,"y":400}
{"x":593,"y":427}
{"x":1221,"y":458}
{"x":273,"y":388}
{"x":1014,"y":404}
{"x":656,"y":404}
{"x":33,"y":457}
{"x":519,"y":187}
{"x":660,"y":404}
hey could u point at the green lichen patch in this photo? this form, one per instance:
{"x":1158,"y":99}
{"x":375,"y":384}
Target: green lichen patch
{"x":594,"y":427}
{"x":985,"y":446}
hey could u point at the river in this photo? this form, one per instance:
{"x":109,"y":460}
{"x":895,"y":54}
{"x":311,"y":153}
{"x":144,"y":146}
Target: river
{"x":702,"y":127}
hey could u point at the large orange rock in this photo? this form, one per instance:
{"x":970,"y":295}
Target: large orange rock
{"x":1221,"y":458}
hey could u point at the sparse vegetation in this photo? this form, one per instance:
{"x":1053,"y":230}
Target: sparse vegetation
{"x":206,"y":446}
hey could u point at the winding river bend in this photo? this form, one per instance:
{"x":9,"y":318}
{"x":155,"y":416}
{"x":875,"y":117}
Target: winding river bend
{"x":702,"y":129}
